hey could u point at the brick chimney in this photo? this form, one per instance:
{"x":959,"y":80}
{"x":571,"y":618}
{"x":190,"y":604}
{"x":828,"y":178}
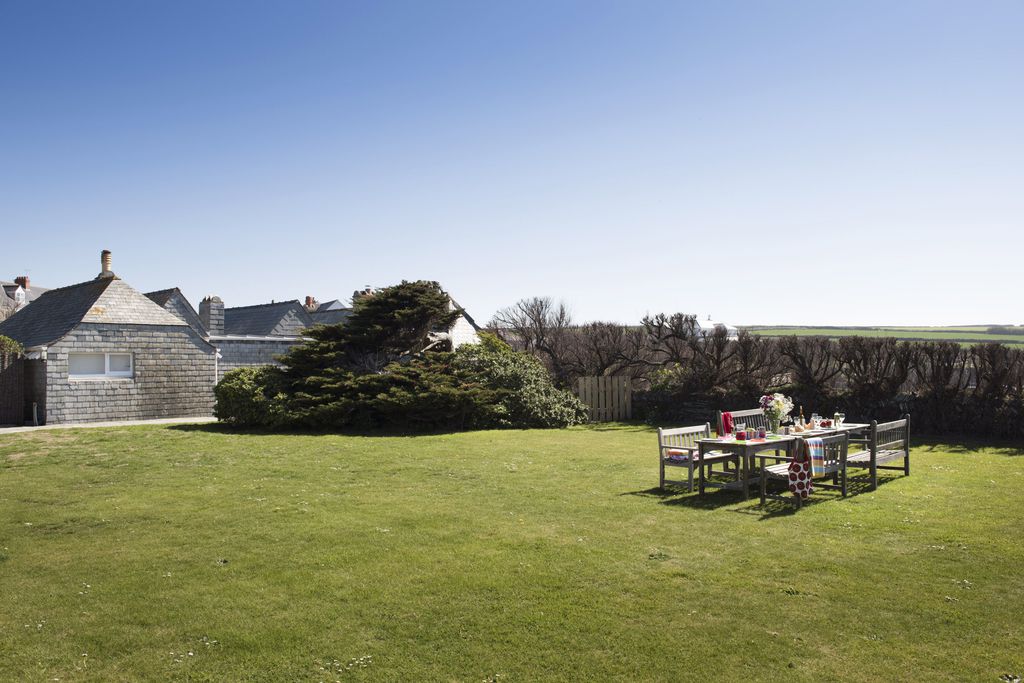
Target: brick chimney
{"x":211,"y":313}
{"x":23,"y":281}
{"x":105,"y":260}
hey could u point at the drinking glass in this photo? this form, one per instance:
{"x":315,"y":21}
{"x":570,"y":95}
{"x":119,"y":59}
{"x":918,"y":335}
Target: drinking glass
{"x":815,"y":420}
{"x":842,"y":419}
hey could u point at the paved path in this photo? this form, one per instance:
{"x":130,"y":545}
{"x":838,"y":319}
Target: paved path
{"x":121,"y":423}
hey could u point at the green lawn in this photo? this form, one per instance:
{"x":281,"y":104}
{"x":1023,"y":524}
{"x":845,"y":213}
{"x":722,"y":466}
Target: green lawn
{"x":964,"y":335}
{"x":171,"y":554}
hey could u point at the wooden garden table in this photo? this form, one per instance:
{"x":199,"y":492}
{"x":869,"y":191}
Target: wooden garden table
{"x":747,"y":449}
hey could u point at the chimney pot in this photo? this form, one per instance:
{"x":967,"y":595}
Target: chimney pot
{"x":23,"y":281}
{"x":105,"y":261}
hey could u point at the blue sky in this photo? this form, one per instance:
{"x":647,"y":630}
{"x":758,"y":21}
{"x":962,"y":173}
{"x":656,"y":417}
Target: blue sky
{"x":787,"y":162}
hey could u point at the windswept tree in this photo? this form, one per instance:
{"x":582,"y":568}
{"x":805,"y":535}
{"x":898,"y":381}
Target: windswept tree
{"x":390,"y":324}
{"x":538,"y":326}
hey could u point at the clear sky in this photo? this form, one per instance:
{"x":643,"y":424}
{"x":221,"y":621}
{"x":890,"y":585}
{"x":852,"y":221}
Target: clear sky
{"x":762,"y":162}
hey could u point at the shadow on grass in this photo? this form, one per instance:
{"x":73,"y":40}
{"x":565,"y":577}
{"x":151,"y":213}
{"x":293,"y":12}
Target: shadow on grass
{"x":715,"y":499}
{"x":677,"y":497}
{"x":617,"y":427}
{"x":224,"y":428}
{"x":966,"y":446}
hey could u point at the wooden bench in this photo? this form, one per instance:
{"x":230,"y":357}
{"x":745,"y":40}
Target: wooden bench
{"x":836,"y":450}
{"x":886,"y":442}
{"x":753,"y":417}
{"x":678,"y":448}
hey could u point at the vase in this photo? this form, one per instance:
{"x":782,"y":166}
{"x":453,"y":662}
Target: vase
{"x":774,"y":423}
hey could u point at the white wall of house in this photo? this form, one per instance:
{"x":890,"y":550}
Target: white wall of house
{"x":463,"y":332}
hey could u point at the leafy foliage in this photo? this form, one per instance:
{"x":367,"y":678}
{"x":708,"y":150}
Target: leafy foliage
{"x":526,"y":396}
{"x":9,"y":347}
{"x":250,"y":397}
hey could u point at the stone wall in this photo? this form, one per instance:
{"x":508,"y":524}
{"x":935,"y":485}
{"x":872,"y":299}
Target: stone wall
{"x":174,"y":372}
{"x":240,"y":353}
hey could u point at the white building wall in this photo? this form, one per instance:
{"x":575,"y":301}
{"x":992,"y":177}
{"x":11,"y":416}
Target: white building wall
{"x":463,"y":333}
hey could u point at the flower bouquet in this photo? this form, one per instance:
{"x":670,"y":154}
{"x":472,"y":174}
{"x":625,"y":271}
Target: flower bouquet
{"x":776,"y":407}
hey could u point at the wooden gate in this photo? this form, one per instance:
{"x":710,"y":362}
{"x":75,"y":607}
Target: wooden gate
{"x":608,"y":398}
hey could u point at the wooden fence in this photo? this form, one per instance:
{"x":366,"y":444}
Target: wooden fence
{"x":12,"y":391}
{"x":608,"y":398}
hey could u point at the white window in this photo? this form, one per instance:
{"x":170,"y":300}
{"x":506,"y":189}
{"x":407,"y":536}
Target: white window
{"x":95,"y":365}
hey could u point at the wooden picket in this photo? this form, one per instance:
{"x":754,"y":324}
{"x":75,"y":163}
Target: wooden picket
{"x":608,"y":398}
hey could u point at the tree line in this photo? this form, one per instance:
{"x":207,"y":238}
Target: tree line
{"x":684,"y":374}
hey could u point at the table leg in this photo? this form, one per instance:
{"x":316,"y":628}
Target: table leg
{"x":746,"y":473}
{"x":700,"y":466}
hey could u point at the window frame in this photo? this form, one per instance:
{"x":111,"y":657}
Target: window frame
{"x":107,"y":372}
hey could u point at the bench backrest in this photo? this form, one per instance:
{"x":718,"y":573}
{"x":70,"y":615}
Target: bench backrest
{"x":890,"y":436}
{"x":683,"y":437}
{"x":753,"y":417}
{"x":836,"y":448}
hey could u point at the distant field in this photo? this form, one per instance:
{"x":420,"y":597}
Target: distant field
{"x":963,"y":335}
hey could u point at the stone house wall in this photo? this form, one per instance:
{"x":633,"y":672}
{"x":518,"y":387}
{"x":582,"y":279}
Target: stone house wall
{"x":240,"y":353}
{"x":174,"y":375}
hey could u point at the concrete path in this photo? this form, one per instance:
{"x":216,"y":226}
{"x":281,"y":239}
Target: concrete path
{"x":121,"y":423}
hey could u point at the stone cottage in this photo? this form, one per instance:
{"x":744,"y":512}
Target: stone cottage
{"x":17,"y":294}
{"x":100,"y":350}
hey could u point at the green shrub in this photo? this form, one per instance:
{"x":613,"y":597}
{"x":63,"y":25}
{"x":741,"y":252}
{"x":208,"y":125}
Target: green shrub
{"x":249,"y":397}
{"x":480,"y":386}
{"x":422,"y":394}
{"x":524,"y":391}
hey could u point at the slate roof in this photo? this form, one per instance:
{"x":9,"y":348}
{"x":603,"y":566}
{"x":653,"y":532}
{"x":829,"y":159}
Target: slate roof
{"x":174,"y":302}
{"x":161,"y":297}
{"x":333,"y":305}
{"x":280,"y":319}
{"x":58,"y":311}
{"x":330,"y":316}
{"x":466,"y":315}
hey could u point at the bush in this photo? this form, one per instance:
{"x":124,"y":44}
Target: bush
{"x":481,"y":386}
{"x":422,"y":394}
{"x":525,"y":395}
{"x":946,"y":387}
{"x":249,"y":397}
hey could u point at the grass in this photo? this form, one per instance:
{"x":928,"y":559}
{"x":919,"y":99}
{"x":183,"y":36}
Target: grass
{"x":176,"y":554}
{"x":963,"y":335}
